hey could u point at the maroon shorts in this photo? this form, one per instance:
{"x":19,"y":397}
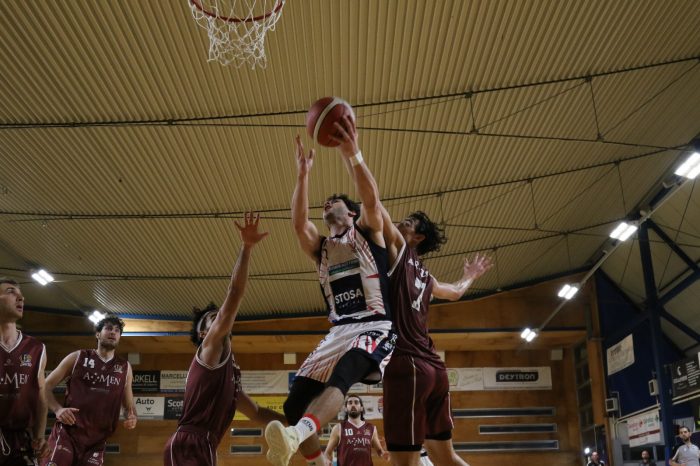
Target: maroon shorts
{"x":416,"y":402}
{"x":18,"y":446}
{"x":189,"y":446}
{"x":65,"y":451}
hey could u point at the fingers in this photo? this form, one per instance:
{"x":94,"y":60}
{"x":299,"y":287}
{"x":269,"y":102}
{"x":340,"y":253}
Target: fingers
{"x":350,"y":122}
{"x":342,"y":131}
{"x":238,"y":225}
{"x":300,"y":146}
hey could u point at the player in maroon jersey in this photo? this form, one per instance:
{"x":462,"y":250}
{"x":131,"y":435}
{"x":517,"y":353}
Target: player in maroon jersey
{"x":354,"y":438}
{"x":22,"y":401}
{"x":416,"y":390}
{"x":213,"y":390}
{"x":98,"y":387}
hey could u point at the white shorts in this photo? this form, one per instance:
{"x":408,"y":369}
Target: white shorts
{"x":376,"y":338}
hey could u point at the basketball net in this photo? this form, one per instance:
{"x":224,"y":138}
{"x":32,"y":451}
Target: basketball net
{"x":237,"y":28}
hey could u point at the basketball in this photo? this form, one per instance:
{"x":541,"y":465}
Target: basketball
{"x":321,"y":116}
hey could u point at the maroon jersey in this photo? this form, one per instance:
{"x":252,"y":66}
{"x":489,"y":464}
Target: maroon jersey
{"x":355,"y":447}
{"x":210,"y":396}
{"x":411,"y":286}
{"x":96,"y":388}
{"x":19,"y":382}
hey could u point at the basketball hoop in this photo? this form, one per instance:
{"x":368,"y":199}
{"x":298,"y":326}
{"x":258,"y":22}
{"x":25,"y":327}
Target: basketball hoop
{"x":237,"y":28}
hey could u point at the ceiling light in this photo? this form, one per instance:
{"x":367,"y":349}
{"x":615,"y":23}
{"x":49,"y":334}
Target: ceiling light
{"x":690,"y":168}
{"x":586,"y":451}
{"x":42,"y":277}
{"x":96,"y":316}
{"x":528,"y":335}
{"x":567,"y":291}
{"x":623,"y":231}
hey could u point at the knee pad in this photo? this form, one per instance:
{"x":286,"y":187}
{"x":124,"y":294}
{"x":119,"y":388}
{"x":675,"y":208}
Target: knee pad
{"x":301,"y":393}
{"x":351,"y":368}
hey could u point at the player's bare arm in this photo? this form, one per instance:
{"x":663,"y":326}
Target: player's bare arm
{"x":257,"y":413}
{"x":306,"y":231}
{"x":217,"y":337}
{"x":471,"y":271}
{"x":392,"y":236}
{"x":333,"y":441}
{"x":367,"y":189}
{"x":377,"y":445}
{"x":64,"y":369}
{"x":39,"y":445}
{"x":128,"y":402}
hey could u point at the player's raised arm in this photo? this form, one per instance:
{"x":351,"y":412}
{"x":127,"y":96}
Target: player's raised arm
{"x":64,"y":369}
{"x":371,"y":216}
{"x":471,"y":271}
{"x":213,"y":345}
{"x":306,"y":231}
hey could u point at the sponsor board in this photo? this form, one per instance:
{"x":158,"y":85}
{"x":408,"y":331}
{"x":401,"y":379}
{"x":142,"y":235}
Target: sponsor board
{"x":173,"y":381}
{"x":149,"y":407}
{"x":620,"y":355}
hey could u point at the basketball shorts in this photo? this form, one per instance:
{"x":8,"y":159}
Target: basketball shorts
{"x":16,"y":448}
{"x":416,"y":402}
{"x":189,"y":446}
{"x":65,"y":451}
{"x":376,"y":339}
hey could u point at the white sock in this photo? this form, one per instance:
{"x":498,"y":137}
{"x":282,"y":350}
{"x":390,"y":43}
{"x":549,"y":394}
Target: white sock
{"x":306,"y":427}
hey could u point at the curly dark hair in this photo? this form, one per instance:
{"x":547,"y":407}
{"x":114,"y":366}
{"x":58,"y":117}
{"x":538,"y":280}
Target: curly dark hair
{"x":434,"y":234}
{"x":197,"y":315}
{"x":349,"y":203}
{"x":362,"y":414}
{"x":110,"y":319}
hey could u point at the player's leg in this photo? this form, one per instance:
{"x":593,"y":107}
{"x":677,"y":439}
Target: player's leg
{"x":407,"y":384}
{"x":350,"y":353}
{"x":189,"y":449}
{"x":284,"y":442}
{"x":438,"y":440}
{"x":442,"y":452}
{"x":61,"y":448}
{"x":302,"y":392}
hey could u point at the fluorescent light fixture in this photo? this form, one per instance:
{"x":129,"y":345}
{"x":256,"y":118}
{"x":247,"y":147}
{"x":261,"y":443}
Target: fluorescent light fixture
{"x":528,"y":335}
{"x":96,"y":316}
{"x":42,"y":277}
{"x":691,"y":167}
{"x":623,"y":231}
{"x":567,"y":291}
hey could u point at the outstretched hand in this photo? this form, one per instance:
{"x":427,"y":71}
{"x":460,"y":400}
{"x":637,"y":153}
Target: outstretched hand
{"x":477,"y":267}
{"x":249,"y":231}
{"x":304,"y":163}
{"x":346,"y":136}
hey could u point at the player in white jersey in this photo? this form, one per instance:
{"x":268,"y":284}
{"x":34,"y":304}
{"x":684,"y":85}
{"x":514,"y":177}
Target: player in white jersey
{"x":352,"y":263}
